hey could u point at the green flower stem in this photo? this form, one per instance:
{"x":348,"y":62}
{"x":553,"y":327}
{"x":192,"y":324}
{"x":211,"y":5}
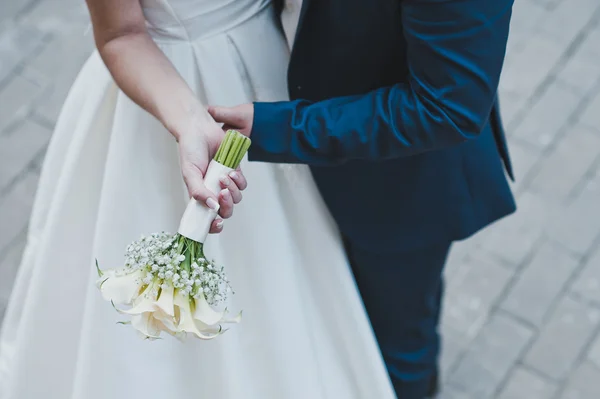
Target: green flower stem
{"x":191,"y":249}
{"x":243,"y":150}
{"x":232,"y":155}
{"x":223,"y":148}
{"x":232,"y":149}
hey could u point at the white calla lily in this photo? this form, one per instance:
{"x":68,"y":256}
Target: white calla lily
{"x":235,"y":320}
{"x":168,"y":321}
{"x":186,"y":319}
{"x":147,"y":325}
{"x":122,"y":289}
{"x":145,"y":302}
{"x":165,"y":300}
{"x":205,"y":313}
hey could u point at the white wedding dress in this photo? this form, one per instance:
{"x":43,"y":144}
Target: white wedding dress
{"x":112,"y":173}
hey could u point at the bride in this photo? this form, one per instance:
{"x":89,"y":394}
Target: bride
{"x":127,"y":132}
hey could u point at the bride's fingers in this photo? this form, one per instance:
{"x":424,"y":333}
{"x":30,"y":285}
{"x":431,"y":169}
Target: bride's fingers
{"x":226,"y":204}
{"x":216,"y":226}
{"x":238,"y":177}
{"x":236,"y":194}
{"x":196,"y":188}
{"x":228,"y":183}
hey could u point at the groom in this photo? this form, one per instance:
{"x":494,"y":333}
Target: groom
{"x":394,"y":108}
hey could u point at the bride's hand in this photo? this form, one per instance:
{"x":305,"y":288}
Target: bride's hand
{"x":196,"y":148}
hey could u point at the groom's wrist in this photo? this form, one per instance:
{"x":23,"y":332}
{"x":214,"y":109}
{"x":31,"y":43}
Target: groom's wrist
{"x":270,"y":132}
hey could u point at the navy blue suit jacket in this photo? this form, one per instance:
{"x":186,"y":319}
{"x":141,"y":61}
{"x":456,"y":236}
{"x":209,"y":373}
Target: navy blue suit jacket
{"x":394,"y":107}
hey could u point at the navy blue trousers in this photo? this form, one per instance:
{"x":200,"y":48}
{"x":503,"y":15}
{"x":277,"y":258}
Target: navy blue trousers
{"x":402,"y":292}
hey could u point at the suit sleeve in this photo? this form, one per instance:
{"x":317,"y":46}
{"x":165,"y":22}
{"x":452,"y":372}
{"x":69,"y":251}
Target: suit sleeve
{"x":455,"y":52}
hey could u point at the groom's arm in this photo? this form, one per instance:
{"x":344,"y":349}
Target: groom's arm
{"x":455,"y":54}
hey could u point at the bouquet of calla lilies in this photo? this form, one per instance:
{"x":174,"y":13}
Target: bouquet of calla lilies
{"x":167,"y":284}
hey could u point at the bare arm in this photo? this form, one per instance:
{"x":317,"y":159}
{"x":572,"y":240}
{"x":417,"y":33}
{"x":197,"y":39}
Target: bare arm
{"x":146,"y":75}
{"x":139,"y":67}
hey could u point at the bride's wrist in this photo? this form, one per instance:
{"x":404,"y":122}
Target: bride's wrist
{"x":192,"y":122}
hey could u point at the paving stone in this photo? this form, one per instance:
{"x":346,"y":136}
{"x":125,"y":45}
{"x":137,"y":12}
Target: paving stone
{"x":548,"y":115}
{"x":581,"y":74}
{"x":582,"y":69}
{"x":563,"y":338}
{"x":460,"y":252}
{"x":594,"y":353}
{"x":450,"y":392}
{"x":587,"y":284}
{"x":491,"y":356}
{"x":526,"y":16}
{"x":66,"y":26}
{"x":17,"y":44}
{"x":50,"y":63}
{"x":560,"y":172}
{"x":577,"y":225}
{"x":15,"y":208}
{"x":456,"y":261}
{"x":19,"y":147}
{"x":453,"y":347}
{"x":514,"y":238}
{"x":525,"y":71}
{"x":523,"y":158}
{"x":567,"y":20}
{"x":50,"y":60}
{"x":511,"y":105}
{"x":591,"y":114}
{"x":17,"y":98}
{"x":9,"y":263}
{"x":589,"y":46}
{"x":523,"y":384}
{"x":538,"y":285}
{"x":584,"y":383}
{"x":64,"y":17}
{"x":469,"y":297}
{"x":9,"y":10}
{"x":550,"y":4}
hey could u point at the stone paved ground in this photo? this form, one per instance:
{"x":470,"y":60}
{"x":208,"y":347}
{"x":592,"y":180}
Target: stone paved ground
{"x":522,"y":316}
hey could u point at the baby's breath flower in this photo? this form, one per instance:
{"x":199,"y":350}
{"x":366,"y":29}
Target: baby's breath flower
{"x":156,"y":262}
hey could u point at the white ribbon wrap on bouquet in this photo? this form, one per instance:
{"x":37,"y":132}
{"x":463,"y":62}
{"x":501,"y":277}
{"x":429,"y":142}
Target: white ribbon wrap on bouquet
{"x":197,"y":218}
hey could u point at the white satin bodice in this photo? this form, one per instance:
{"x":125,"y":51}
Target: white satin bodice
{"x":195,"y":20}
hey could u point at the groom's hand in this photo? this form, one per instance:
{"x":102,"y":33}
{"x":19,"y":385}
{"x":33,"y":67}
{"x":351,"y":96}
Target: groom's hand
{"x":239,"y":118}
